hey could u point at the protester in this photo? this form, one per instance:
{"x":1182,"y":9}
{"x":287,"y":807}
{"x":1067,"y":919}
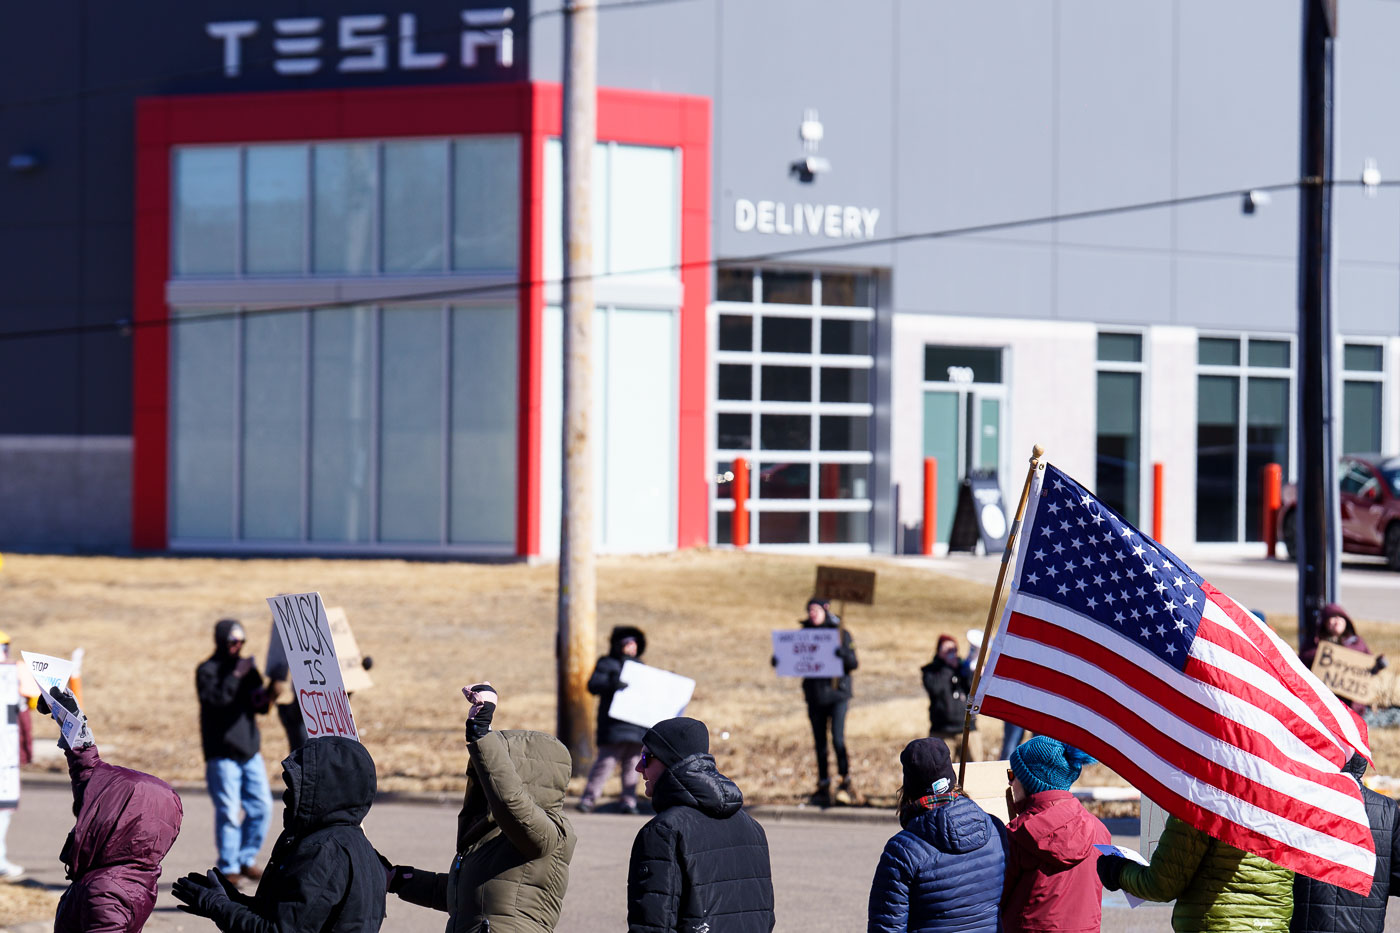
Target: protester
{"x":9,"y":871}
{"x":230,"y":694}
{"x":700,"y":864}
{"x":827,"y":700}
{"x":944,"y":870}
{"x":514,"y":843}
{"x":126,"y":823}
{"x":948,"y":682}
{"x":323,"y":875}
{"x":1051,"y":885}
{"x":618,"y":741}
{"x":1319,"y":907}
{"x":1216,"y":886}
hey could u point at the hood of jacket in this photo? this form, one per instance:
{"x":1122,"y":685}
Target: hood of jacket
{"x":543,"y":765}
{"x":956,"y":827}
{"x":938,"y":664}
{"x":128,"y":818}
{"x":223,"y":630}
{"x":695,"y":782}
{"x":621,"y":633}
{"x":330,"y":780}
{"x":1053,"y":826}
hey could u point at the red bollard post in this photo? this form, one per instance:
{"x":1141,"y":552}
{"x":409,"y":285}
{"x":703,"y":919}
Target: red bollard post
{"x":930,"y":505}
{"x":739,"y":526}
{"x":1273,"y":499}
{"x":1157,"y":502}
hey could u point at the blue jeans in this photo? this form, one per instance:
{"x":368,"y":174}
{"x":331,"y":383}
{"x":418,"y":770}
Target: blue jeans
{"x":232,"y":784}
{"x":1010,"y":738}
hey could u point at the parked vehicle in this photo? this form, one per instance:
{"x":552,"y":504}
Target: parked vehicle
{"x":1369,"y":496}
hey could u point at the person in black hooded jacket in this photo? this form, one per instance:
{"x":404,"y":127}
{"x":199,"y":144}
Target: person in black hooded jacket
{"x":618,"y":741}
{"x":323,"y":875}
{"x":827,"y":699}
{"x":1319,"y":907}
{"x":701,"y":864}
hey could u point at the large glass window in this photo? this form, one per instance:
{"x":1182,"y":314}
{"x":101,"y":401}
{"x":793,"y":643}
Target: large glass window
{"x":1363,"y":387}
{"x":1244,"y":391}
{"x":792,"y":381}
{"x":429,"y":206}
{"x":1118,"y":470}
{"x":347,"y":426}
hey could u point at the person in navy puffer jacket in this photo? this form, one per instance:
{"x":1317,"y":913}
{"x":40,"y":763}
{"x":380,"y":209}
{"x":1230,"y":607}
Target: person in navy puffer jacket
{"x":945,"y":869}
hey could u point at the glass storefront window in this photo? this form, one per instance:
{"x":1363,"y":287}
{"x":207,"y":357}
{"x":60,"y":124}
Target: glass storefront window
{"x":204,"y":435}
{"x":845,"y":385}
{"x":847,"y":290}
{"x":841,"y":337}
{"x":734,"y":285}
{"x":415,"y":174}
{"x":962,"y":364}
{"x":786,"y":334}
{"x":1218,"y":351}
{"x":787,"y":288}
{"x":272,"y":428}
{"x":346,"y":194}
{"x":1120,"y":348}
{"x":486,"y":204}
{"x":736,"y":381}
{"x":206,"y":211}
{"x":1217,"y":457}
{"x":786,"y":383}
{"x":275,"y":202}
{"x":411,"y":398}
{"x":1119,"y":442}
{"x":342,"y":423}
{"x":1363,"y":358}
{"x":735,"y":332}
{"x":483,"y":430}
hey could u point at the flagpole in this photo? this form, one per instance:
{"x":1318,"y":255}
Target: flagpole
{"x":1036,"y":453}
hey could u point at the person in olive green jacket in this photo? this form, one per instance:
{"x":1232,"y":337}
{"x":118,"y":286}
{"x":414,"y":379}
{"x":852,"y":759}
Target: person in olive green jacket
{"x":1217,"y":888}
{"x":514,"y":843}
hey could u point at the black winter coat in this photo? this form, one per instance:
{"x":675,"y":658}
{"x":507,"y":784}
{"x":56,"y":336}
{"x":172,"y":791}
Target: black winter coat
{"x":1319,"y":907}
{"x":828,"y":691}
{"x":701,"y":864}
{"x":606,"y":679}
{"x":323,"y":875}
{"x":947,"y":691}
{"x":227,"y":704}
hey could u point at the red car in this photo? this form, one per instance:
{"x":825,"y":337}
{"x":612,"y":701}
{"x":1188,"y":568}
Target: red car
{"x":1370,"y":502}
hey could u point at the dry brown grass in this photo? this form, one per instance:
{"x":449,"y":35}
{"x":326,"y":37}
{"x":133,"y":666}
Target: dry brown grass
{"x":26,"y":902}
{"x":146,"y":623}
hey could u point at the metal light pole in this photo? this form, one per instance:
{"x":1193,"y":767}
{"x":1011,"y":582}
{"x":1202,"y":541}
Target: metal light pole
{"x":1317,"y":463}
{"x":578,"y":598}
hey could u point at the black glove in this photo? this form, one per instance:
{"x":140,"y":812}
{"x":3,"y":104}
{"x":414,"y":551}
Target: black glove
{"x":399,"y":875}
{"x":1380,"y":665}
{"x":773,"y":660}
{"x":1111,"y":871}
{"x":480,"y":724}
{"x":202,"y":894}
{"x":83,"y":737}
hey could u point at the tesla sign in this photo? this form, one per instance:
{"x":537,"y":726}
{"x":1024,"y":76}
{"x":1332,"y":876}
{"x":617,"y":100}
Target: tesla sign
{"x":306,"y":45}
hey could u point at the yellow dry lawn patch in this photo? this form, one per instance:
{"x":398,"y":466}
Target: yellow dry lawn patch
{"x":24,"y":902}
{"x":432,"y":627}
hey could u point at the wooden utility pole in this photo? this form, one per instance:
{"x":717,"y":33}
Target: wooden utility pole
{"x":578,"y":598}
{"x":1317,"y":543}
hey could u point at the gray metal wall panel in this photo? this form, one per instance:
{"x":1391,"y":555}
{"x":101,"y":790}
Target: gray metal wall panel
{"x":1235,"y":294}
{"x":1368,"y":85}
{"x":995,"y":278}
{"x":1366,"y":303}
{"x":1122,"y":286}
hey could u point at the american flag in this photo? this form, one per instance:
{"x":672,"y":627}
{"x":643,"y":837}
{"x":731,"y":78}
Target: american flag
{"x":1111,"y":643}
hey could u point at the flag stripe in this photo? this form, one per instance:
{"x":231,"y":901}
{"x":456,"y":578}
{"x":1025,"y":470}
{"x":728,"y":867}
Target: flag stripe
{"x":1174,"y":741}
{"x":1345,"y":867}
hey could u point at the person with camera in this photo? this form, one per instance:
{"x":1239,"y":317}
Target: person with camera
{"x":948,"y":682}
{"x":514,"y":843}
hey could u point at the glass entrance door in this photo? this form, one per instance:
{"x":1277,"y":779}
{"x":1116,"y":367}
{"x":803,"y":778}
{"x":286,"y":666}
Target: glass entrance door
{"x":963,"y":411}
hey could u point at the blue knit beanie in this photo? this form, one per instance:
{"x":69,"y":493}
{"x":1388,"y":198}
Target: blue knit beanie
{"x":1046,"y":764}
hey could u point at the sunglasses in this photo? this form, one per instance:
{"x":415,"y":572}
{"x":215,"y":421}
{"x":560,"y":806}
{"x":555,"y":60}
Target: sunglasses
{"x":1010,"y":776}
{"x":647,"y":758}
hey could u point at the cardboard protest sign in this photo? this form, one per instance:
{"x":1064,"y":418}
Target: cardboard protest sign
{"x":845,"y":585}
{"x":651,"y":695}
{"x":1152,"y":819}
{"x":985,"y":782}
{"x":300,"y":621}
{"x":9,"y":736}
{"x":47,"y":671}
{"x":808,"y":652}
{"x":347,"y":652}
{"x":1346,"y":672}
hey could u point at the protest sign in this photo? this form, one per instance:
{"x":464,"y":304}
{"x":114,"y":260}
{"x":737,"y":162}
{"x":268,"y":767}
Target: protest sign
{"x":845,"y":585}
{"x":347,"y":651}
{"x":808,"y":652}
{"x":651,"y":695}
{"x":300,"y":621}
{"x":1348,"y":673}
{"x":47,"y":671}
{"x":985,"y":782}
{"x":9,"y":736}
{"x":1152,"y":819}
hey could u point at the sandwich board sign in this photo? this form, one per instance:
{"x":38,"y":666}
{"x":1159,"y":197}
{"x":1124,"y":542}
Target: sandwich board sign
{"x":299,"y":619}
{"x":9,"y":736}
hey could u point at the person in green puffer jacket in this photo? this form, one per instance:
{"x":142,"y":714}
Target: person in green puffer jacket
{"x":1217,"y":888}
{"x":514,"y":843}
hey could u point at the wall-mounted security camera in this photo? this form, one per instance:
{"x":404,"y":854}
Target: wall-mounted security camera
{"x":807,"y":169}
{"x":1253,"y":200}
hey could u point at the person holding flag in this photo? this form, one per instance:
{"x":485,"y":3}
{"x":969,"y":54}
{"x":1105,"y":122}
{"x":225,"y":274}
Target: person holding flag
{"x":1111,"y":643}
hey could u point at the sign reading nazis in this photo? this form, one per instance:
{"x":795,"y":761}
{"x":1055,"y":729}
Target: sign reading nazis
{"x":300,"y":620}
{"x":1348,"y":673}
{"x":843,"y":584}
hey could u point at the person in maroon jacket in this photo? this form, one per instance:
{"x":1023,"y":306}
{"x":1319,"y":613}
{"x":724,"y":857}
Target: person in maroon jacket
{"x":1052,"y":883}
{"x":127,"y":822}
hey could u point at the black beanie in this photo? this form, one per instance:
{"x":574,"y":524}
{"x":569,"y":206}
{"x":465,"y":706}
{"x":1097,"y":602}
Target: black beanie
{"x":925,"y":761}
{"x":673,"y":740}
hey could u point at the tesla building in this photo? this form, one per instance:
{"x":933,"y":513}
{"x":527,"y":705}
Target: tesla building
{"x":281,"y":276}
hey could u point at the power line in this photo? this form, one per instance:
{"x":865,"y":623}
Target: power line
{"x":216,"y":70}
{"x":126,"y":326}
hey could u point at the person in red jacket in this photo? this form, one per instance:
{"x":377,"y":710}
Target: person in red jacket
{"x":1052,"y":883}
{"x":127,"y":822}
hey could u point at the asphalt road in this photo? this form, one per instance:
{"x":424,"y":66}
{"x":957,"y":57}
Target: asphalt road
{"x":822,"y":867}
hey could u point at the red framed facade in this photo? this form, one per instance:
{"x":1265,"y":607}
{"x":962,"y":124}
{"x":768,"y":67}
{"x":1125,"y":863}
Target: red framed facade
{"x":528,"y":109}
